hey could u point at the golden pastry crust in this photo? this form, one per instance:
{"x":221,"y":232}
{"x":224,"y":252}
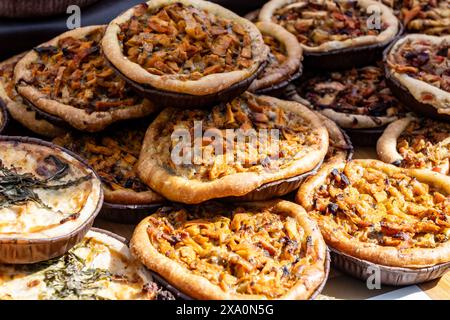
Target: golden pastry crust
{"x":218,"y":69}
{"x":259,"y":250}
{"x":15,"y":104}
{"x":416,"y":143}
{"x":303,"y":142}
{"x":310,"y":22}
{"x":381,"y":213}
{"x":68,"y":78}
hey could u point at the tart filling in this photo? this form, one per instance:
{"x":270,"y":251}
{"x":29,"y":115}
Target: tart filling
{"x":356,"y":98}
{"x":113,"y":154}
{"x":262,"y":250}
{"x":421,"y":64}
{"x":381,"y":213}
{"x":185,"y":46}
{"x":45,"y":191}
{"x":194,"y":155}
{"x":332,"y":24}
{"x":69,"y":78}
{"x":425,"y":16}
{"x":417,"y":143}
{"x":98,"y":268}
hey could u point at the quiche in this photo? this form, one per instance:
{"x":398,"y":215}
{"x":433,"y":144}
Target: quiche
{"x":191,"y":156}
{"x":185,"y":52}
{"x":113,"y":154}
{"x":67,"y":80}
{"x":416,"y":143}
{"x":257,"y":250}
{"x":48,"y":200}
{"x":17,"y":108}
{"x":418,"y":70}
{"x":380,"y":213}
{"x":284,"y":62}
{"x":357,"y":98}
{"x":100,"y":267}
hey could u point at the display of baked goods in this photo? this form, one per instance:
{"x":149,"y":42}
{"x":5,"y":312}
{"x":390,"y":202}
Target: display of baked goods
{"x":48,"y":200}
{"x":186,"y":53}
{"x":284,"y":62}
{"x":417,"y":68}
{"x":381,"y":213}
{"x":416,"y":143}
{"x":100,"y":267}
{"x":68,"y":80}
{"x":257,"y":250}
{"x":227,"y":166}
{"x":17,"y":108}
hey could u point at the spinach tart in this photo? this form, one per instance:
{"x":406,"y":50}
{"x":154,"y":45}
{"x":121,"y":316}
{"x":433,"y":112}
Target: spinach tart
{"x":17,"y":108}
{"x":335,"y":34}
{"x":231,"y":150}
{"x":416,"y":143}
{"x":380,"y":213}
{"x":67,"y":81}
{"x":185,"y":53}
{"x":100,"y":267}
{"x":49,"y":200}
{"x":257,"y":250}
{"x":418,"y":72}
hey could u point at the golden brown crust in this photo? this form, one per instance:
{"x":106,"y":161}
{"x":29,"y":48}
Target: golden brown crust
{"x":76,"y":117}
{"x":199,"y":287}
{"x":389,"y":255}
{"x":387,"y":143}
{"x":206,"y":85}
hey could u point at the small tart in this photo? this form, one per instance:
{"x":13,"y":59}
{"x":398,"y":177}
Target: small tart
{"x":17,"y":107}
{"x":227,"y":163}
{"x":284,"y":61}
{"x":381,"y":213}
{"x":420,"y":64}
{"x":113,"y":154}
{"x":67,"y":78}
{"x":258,"y":250}
{"x":328,"y":25}
{"x":425,"y":16}
{"x":100,"y":267}
{"x":416,"y":143}
{"x":191,"y":47}
{"x":48,"y":200}
{"x":354,"y":99}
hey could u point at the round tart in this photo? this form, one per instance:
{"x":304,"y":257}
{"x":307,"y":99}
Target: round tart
{"x":335,"y":34}
{"x":380,"y":213}
{"x":100,"y":267}
{"x":425,"y":16}
{"x":284,"y":63}
{"x":49,"y":200}
{"x":258,"y":250}
{"x":38,"y":8}
{"x":418,"y":72}
{"x":19,"y":111}
{"x":185,"y":53}
{"x":191,"y":156}
{"x":416,"y":143}
{"x":67,"y":80}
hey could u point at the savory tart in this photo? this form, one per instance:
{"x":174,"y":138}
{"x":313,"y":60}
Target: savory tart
{"x":416,"y":143}
{"x":49,"y":200}
{"x":100,"y":267}
{"x":185,"y":52}
{"x":381,"y":213}
{"x":418,"y":72}
{"x":68,"y":80}
{"x":284,"y":62}
{"x":238,"y":147}
{"x":425,"y":16}
{"x":10,"y":99}
{"x":257,"y":250}
{"x":113,"y":154}
{"x":335,"y":33}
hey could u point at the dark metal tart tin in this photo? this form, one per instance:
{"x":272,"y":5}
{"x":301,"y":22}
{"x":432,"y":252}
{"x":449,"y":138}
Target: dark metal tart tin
{"x":24,"y":251}
{"x":277,"y":89}
{"x":5,"y":116}
{"x":127,"y":213}
{"x":47,"y":116}
{"x":38,"y":8}
{"x":365,"y":137}
{"x":393,"y":276}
